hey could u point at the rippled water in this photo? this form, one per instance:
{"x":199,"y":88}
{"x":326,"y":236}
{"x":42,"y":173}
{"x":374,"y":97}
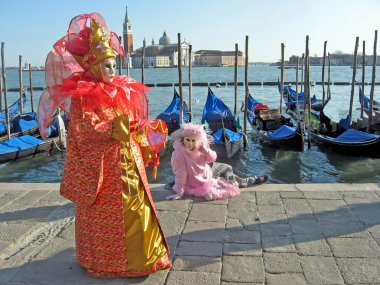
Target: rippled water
{"x":283,"y":166}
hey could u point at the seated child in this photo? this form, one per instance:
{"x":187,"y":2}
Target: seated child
{"x":193,"y":174}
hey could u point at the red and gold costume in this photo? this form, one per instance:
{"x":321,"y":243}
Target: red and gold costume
{"x":117,"y":230}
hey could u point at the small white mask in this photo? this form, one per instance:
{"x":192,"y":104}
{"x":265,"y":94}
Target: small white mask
{"x":108,"y":69}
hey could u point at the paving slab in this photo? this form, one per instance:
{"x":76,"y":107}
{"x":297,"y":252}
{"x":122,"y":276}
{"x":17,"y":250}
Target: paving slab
{"x":270,"y":234}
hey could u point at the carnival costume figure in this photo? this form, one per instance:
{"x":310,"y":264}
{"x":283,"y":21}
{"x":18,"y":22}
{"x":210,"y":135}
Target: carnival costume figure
{"x":109,"y":143}
{"x":190,"y":162}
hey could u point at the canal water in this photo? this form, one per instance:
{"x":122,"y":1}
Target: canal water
{"x":313,"y":165}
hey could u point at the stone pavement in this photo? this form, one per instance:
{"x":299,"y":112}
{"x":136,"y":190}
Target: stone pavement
{"x":271,"y":234}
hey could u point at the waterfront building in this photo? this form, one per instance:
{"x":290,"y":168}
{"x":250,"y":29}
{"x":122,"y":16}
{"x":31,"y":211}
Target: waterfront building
{"x":163,"y":54}
{"x":217,"y":58}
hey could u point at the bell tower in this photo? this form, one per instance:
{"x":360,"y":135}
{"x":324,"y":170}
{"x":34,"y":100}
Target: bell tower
{"x":127,"y":34}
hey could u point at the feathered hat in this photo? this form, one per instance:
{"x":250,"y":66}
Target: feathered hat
{"x":91,"y":45}
{"x":193,"y":130}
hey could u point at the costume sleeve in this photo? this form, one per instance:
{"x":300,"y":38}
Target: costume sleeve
{"x":210,"y":156}
{"x":140,"y":137}
{"x":90,"y":138}
{"x":90,"y":125}
{"x":179,"y":169}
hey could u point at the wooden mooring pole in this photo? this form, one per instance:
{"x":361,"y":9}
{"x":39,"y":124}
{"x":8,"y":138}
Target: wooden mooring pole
{"x":31,"y":86}
{"x":282,"y":75}
{"x":328,"y":77}
{"x":307,"y":91}
{"x":119,"y":60}
{"x":180,"y":78}
{"x":353,"y":78}
{"x":302,"y":72}
{"x":298,"y":108}
{"x":5,"y":91}
{"x":363,"y":82}
{"x":323,"y":74}
{"x":190,"y":83}
{"x":1,"y":93}
{"x":246,"y":90}
{"x":20,"y":84}
{"x":235,"y":78}
{"x":143,"y":62}
{"x":369,"y":126}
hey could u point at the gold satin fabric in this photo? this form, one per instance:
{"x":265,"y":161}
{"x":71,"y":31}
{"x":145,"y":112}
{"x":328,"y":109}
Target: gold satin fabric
{"x":144,"y":242}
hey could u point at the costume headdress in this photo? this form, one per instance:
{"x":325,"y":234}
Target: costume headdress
{"x":91,"y":45}
{"x":192,"y":130}
{"x":76,"y":59}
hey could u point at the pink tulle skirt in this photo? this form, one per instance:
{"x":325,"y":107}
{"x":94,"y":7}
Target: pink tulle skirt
{"x":218,"y":188}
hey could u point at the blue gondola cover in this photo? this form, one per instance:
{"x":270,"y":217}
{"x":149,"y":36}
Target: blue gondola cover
{"x":232,"y":136}
{"x":19,"y":143}
{"x":282,"y":133}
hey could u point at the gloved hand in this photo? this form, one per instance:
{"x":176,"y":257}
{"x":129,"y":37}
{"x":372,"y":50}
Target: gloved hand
{"x":120,"y":128}
{"x":202,"y":149}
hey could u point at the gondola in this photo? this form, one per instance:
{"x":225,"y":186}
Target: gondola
{"x":28,"y":146}
{"x":14,"y":110}
{"x":171,"y":115}
{"x":273,"y":128}
{"x":291,"y":99}
{"x":23,"y":124}
{"x":367,"y":104}
{"x":351,"y":141}
{"x":343,"y":139}
{"x":223,"y":125}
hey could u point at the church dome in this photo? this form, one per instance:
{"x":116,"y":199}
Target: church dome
{"x":164,"y":40}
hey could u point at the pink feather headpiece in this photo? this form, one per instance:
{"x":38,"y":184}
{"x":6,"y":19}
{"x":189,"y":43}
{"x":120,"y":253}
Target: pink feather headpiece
{"x":192,"y":130}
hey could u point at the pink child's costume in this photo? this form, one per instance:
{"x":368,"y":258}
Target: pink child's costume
{"x":193,"y":174}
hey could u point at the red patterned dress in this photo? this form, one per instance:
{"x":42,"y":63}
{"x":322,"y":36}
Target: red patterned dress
{"x":117,"y":230}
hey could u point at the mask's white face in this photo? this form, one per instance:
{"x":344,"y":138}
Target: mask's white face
{"x":189,"y":142}
{"x":108,"y":69}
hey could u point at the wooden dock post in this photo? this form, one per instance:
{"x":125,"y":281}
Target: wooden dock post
{"x":143,"y":62}
{"x":302,"y":71}
{"x":328,"y":77}
{"x":353,"y":77}
{"x":369,"y":127}
{"x":235,"y":78}
{"x":246,"y":89}
{"x":190,"y":84}
{"x":5,"y":91}
{"x":307,"y":90}
{"x":20,"y":84}
{"x":297,"y":66}
{"x":363,"y":82}
{"x":31,"y":87}
{"x":323,"y":73}
{"x":127,"y":62}
{"x":180,"y":78}
{"x":1,"y":93}
{"x":282,"y":75}
{"x":119,"y":59}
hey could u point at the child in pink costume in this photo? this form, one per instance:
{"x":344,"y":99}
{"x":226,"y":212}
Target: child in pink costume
{"x":193,"y":174}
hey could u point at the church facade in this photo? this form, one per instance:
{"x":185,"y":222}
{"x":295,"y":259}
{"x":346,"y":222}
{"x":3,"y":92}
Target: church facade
{"x":163,"y":54}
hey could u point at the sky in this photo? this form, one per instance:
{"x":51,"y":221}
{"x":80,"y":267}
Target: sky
{"x":31,"y":27}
